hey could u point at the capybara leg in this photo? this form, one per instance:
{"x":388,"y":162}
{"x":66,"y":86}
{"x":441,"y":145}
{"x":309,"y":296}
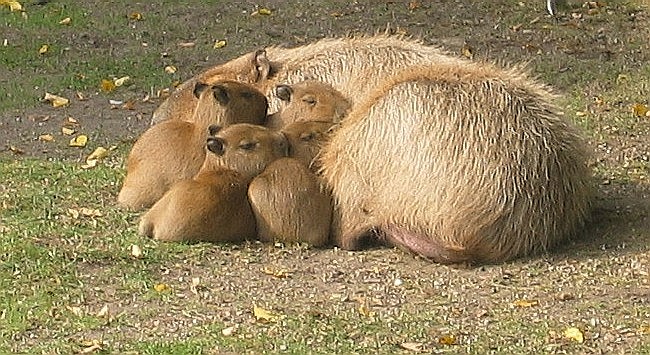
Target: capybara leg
{"x":350,"y":230}
{"x":425,"y":246}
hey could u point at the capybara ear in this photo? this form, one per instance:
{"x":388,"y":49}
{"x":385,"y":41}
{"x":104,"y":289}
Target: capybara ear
{"x":221,"y":94}
{"x":199,"y":87}
{"x":283,"y":92}
{"x":214,"y":129}
{"x":216,"y":145}
{"x":260,"y":66}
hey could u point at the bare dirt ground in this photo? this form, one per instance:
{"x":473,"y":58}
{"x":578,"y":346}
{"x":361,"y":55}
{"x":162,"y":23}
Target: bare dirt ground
{"x":605,"y":270}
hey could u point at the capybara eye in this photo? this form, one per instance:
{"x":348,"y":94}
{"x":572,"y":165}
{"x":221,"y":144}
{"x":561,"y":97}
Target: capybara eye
{"x":247,"y":94}
{"x":213,"y":129}
{"x":199,"y":87}
{"x":309,"y":100}
{"x":216,"y":145}
{"x":307,"y":136}
{"x":221,"y":94}
{"x":247,"y":145}
{"x":283,"y":92}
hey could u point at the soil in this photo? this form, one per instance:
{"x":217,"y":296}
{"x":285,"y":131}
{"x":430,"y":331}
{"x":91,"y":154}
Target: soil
{"x":613,"y":34}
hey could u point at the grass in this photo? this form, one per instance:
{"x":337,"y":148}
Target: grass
{"x":66,"y":249}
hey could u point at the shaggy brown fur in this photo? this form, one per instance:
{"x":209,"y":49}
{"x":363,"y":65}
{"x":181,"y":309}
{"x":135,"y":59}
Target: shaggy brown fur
{"x":174,"y":150}
{"x":457,"y":162}
{"x":290,"y":205}
{"x":213,"y":206}
{"x":353,"y":66}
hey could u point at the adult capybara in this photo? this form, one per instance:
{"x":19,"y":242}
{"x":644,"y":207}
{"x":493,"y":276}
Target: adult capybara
{"x":352,"y":65}
{"x":213,"y":206}
{"x":309,"y":100}
{"x":457,"y":162}
{"x":174,"y":150}
{"x":290,"y":205}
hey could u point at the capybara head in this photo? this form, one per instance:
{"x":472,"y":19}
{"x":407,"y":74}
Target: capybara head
{"x":245,"y":148}
{"x":306,"y":139}
{"x":309,"y":100}
{"x":229,"y":102}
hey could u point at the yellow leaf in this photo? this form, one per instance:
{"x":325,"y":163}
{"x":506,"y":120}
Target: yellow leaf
{"x":447,"y":340}
{"x":57,"y":101}
{"x":416,"y":347}
{"x":89,"y":164}
{"x":265,"y":315}
{"x":219,"y":44}
{"x":121,"y":81}
{"x":79,"y":141}
{"x":276,"y":273}
{"x":264,"y":11}
{"x":46,"y":138}
{"x":13,"y":5}
{"x":67,"y":131}
{"x":365,"y":310}
{"x":43,"y":49}
{"x":65,"y":21}
{"x":161,"y":287}
{"x":574,"y":334}
{"x":73,"y":213}
{"x":170,"y":69}
{"x":644,"y":329}
{"x":525,"y":303}
{"x":640,"y":110}
{"x":98,"y":154}
{"x":108,"y":85}
{"x":90,"y":212}
{"x":136,"y":16}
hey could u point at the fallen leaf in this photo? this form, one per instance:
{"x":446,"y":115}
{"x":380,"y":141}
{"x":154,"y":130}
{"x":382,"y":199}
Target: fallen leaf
{"x":73,"y":213}
{"x":228,"y":331}
{"x":186,"y":44}
{"x":640,"y":110}
{"x":161,"y":287}
{"x":13,"y":5}
{"x":98,"y":154}
{"x":447,"y":340}
{"x":65,"y":21}
{"x":219,"y":44}
{"x":16,"y":150}
{"x":129,"y":105}
{"x":644,"y":329}
{"x":136,"y":16}
{"x":57,"y":101}
{"x":67,"y":131}
{"x":279,"y":273}
{"x":90,"y":349}
{"x":525,"y":303}
{"x":104,"y":312}
{"x":121,"y":81}
{"x":417,"y":347}
{"x":262,"y":314}
{"x":413,"y":5}
{"x":115,"y":102}
{"x":90,"y":212}
{"x":79,"y":141}
{"x":107,"y":85}
{"x":262,"y":11}
{"x":89,"y":164}
{"x":467,"y":51}
{"x":170,"y":69}
{"x":43,"y":49}
{"x":136,"y":252}
{"x":574,"y":334}
{"x":46,"y":138}
{"x":365,"y":310}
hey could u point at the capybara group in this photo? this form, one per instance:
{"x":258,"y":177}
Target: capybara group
{"x":174,"y":150}
{"x":352,"y":65}
{"x":457,"y":162}
{"x":213,"y":206}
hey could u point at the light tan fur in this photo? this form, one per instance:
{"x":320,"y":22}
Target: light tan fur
{"x":174,"y":150}
{"x":213,"y":206}
{"x":306,"y":139}
{"x":290,"y":205}
{"x":308,"y":100}
{"x":352,"y":65}
{"x":458,"y":162}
